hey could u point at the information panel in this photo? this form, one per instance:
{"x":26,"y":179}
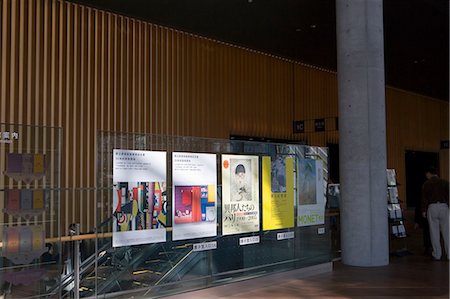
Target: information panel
{"x":311,"y":193}
{"x":240,"y":194}
{"x":139,"y":197}
{"x":278,"y":192}
{"x":194,"y":210}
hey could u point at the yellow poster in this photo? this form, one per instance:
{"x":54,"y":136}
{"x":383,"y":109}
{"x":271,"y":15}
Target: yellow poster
{"x":278,"y":192}
{"x":38,"y":199}
{"x":39,"y":163}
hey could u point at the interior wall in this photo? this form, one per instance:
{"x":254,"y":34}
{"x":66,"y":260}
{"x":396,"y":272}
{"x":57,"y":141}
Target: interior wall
{"x":85,"y":70}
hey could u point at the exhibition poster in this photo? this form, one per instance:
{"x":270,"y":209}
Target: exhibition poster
{"x":139,"y":197}
{"x":240,"y":194}
{"x":278,"y":192}
{"x":194,"y":203}
{"x":310,"y":193}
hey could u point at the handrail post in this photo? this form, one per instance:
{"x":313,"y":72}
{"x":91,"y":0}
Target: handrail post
{"x":75,"y":231}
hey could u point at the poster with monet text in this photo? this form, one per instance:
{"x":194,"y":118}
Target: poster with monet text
{"x":310,"y":193}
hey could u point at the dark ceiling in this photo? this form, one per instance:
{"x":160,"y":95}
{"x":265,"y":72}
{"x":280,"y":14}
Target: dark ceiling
{"x":416,"y":32}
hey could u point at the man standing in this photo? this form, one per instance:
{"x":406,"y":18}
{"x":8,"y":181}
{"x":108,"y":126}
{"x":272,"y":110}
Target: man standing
{"x":435,"y":208}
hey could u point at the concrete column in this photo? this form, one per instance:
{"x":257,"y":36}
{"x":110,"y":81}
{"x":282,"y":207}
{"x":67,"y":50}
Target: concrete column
{"x":362,"y":132}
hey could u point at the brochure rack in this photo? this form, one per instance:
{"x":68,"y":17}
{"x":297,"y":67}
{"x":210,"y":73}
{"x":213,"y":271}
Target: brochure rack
{"x":397,"y":235}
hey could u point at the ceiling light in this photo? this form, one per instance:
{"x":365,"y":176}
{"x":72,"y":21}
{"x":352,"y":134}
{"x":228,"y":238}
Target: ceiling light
{"x":313,"y":26}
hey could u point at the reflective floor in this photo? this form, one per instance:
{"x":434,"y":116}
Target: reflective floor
{"x":413,"y":276}
{"x":408,"y":276}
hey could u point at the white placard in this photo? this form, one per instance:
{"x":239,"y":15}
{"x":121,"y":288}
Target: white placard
{"x":321,"y":230}
{"x":249,"y":240}
{"x":139,"y":198}
{"x":311,"y":193}
{"x":204,"y":246}
{"x":194,"y":193}
{"x":286,"y":235}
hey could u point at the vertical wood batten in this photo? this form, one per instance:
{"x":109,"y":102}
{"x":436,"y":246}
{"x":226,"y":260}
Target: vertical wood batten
{"x":46,"y":64}
{"x":3,"y":58}
{"x":12,"y":100}
{"x":21,"y":85}
{"x":139,"y":77}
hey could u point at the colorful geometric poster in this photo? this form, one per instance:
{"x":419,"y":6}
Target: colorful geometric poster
{"x":139,"y":197}
{"x":194,"y":203}
{"x":310,"y":193}
{"x":240,"y":194}
{"x":278,"y":192}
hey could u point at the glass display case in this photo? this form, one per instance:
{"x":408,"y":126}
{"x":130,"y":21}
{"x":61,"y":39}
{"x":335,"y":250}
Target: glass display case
{"x":173,"y":214}
{"x":131,"y":206}
{"x":31,"y":250}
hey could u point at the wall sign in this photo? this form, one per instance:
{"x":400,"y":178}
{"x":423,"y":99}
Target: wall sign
{"x":8,"y":137}
{"x":299,"y":126}
{"x":204,"y":246}
{"x":285,"y":236}
{"x":319,"y":125}
{"x":249,"y":240}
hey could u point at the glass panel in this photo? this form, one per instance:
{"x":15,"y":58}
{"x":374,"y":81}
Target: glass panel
{"x":173,"y":266}
{"x":31,"y":251}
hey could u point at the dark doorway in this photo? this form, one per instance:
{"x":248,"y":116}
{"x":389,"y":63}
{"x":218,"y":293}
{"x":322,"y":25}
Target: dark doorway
{"x":333,"y":160}
{"x":416,"y":165}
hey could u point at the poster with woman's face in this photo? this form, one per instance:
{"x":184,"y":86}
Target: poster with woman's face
{"x":240,"y":194}
{"x":241,"y":180}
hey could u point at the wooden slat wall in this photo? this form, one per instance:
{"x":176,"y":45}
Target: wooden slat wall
{"x":85,"y":70}
{"x":316,"y":97}
{"x":418,"y":123}
{"x":414,"y":122}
